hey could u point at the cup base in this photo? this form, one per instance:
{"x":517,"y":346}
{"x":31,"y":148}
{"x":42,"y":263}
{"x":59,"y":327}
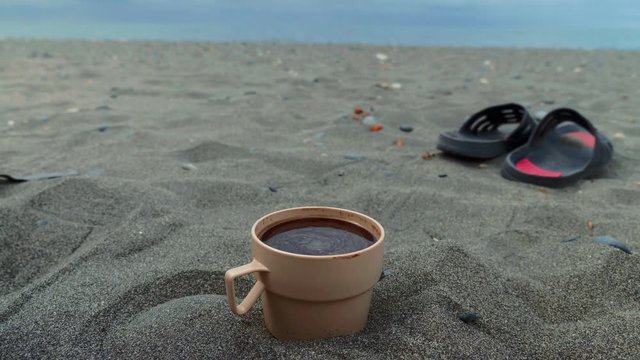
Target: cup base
{"x":290,"y":319}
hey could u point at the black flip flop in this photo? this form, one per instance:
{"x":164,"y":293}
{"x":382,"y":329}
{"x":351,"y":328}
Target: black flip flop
{"x":480,"y":136}
{"x":564,"y":148}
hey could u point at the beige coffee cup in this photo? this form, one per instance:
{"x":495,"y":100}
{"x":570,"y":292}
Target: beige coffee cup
{"x":309,"y":297}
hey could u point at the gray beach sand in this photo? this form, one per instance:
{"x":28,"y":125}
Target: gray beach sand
{"x":177,"y":146}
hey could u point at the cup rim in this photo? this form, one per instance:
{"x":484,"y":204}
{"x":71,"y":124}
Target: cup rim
{"x":379,"y":241}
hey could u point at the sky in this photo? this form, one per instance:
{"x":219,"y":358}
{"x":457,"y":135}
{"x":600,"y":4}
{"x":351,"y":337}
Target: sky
{"x":401,"y":21}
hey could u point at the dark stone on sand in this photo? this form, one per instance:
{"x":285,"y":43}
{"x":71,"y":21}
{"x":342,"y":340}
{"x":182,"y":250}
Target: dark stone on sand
{"x":571,"y":238}
{"x":43,"y":222}
{"x":406,"y":128}
{"x":548,"y":102}
{"x":341,"y":173}
{"x":114,"y":93}
{"x":517,"y":77}
{"x":248,"y":93}
{"x":354,"y":157}
{"x":611,"y":241}
{"x":273,"y":189}
{"x":103,"y":127}
{"x":103,"y":108}
{"x":468,"y":317}
{"x":442,"y":175}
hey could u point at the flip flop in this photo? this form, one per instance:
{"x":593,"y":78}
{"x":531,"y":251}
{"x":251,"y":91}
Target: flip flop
{"x":481,"y":136}
{"x":564,"y":148}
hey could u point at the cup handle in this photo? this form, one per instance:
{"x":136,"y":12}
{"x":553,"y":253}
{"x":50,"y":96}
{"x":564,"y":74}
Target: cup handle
{"x":253,"y":295}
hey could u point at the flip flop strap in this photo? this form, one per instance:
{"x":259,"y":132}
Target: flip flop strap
{"x":491,"y":118}
{"x":602,"y":148}
{"x":558,"y":116}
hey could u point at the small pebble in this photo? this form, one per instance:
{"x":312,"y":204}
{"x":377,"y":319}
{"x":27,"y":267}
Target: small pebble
{"x":399,"y":142}
{"x":427,"y":155}
{"x":618,"y":136}
{"x":354,"y":156}
{"x":442,"y":175}
{"x":103,"y":108}
{"x":548,"y":102}
{"x":406,"y":128}
{"x":73,"y":110}
{"x":248,"y":93}
{"x":484,"y":81}
{"x":114,"y":93}
{"x":11,"y":122}
{"x":341,"y":173}
{"x":570,"y":238}
{"x":103,"y":127}
{"x":43,"y":222}
{"x":468,"y":317}
{"x":611,"y":241}
{"x":358,"y":110}
{"x":517,"y":77}
{"x":482,"y":166}
{"x":273,"y":189}
{"x":590,"y":225}
{"x":369,"y":120}
{"x":396,"y":86}
{"x":382,"y":57}
{"x":376,"y":128}
{"x":189,"y":167}
{"x":356,"y":117}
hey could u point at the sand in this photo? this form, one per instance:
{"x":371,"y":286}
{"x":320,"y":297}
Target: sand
{"x":178,"y":144}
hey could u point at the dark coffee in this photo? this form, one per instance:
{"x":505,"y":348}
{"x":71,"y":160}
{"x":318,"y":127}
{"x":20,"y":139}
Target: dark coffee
{"x":317,"y":236}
